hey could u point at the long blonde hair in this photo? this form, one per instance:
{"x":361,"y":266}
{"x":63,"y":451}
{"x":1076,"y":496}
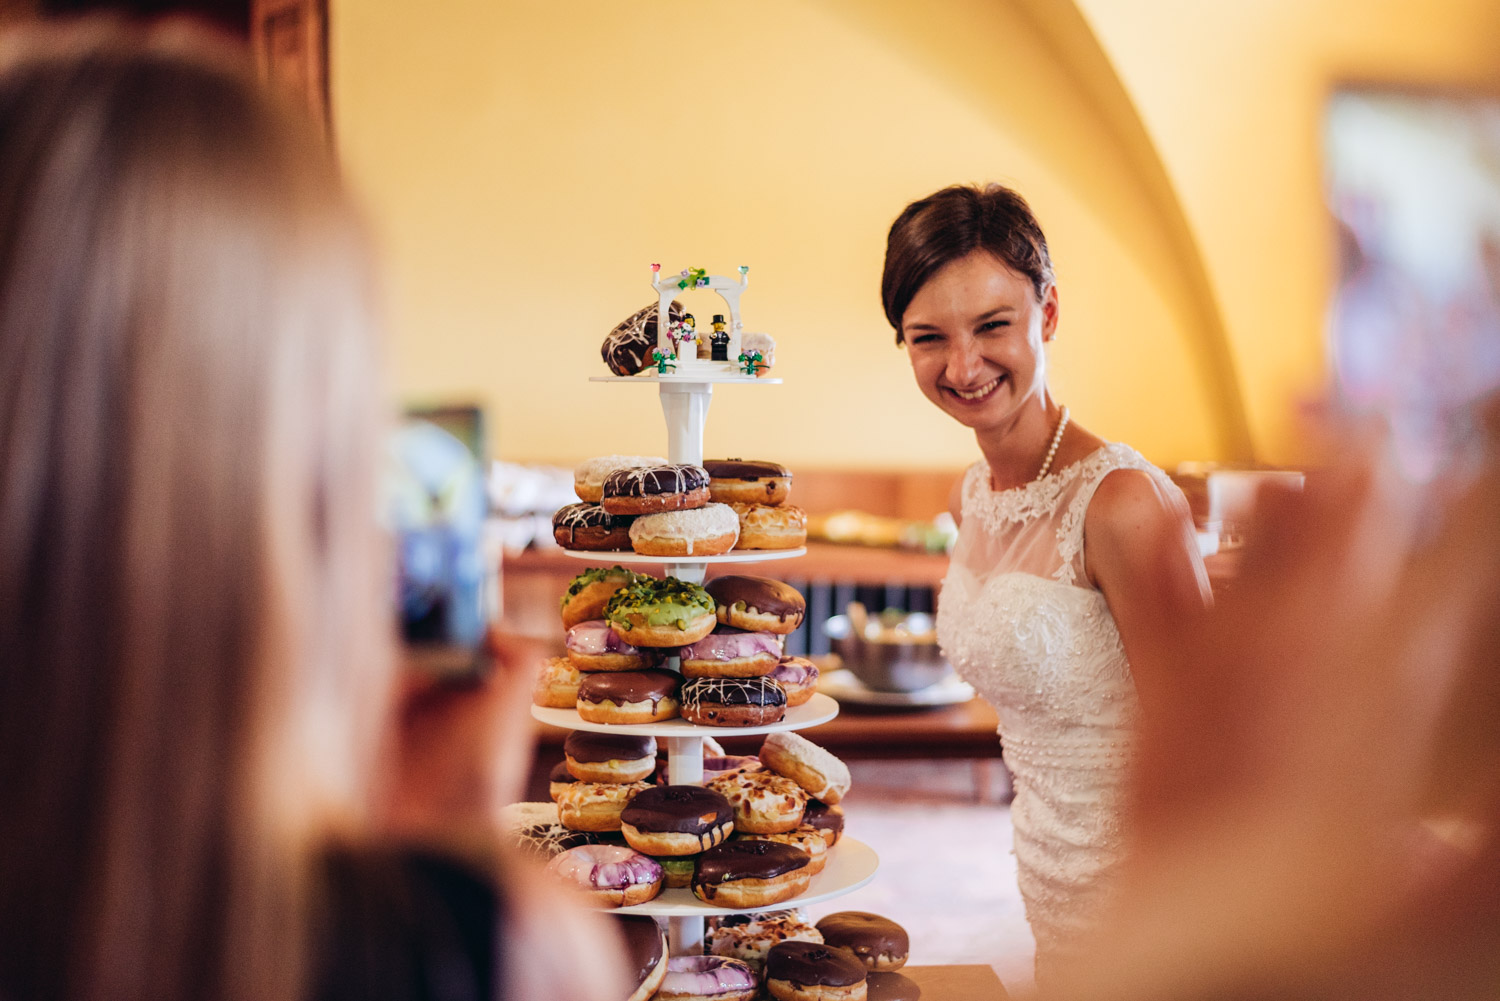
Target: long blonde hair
{"x":194,"y":650}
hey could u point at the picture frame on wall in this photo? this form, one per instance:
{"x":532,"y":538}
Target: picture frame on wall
{"x":290,"y":42}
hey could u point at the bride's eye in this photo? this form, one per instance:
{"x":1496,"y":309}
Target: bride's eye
{"x":991,"y":326}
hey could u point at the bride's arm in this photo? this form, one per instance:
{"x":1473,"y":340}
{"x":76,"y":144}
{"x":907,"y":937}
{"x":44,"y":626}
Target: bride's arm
{"x":1139,"y":548}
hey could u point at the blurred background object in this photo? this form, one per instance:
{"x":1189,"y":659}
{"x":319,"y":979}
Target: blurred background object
{"x":1414,"y":329}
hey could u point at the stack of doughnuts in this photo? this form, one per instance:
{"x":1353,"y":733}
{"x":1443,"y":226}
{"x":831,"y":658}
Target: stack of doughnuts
{"x":756,"y":490}
{"x":587,"y":525}
{"x":754,"y":613}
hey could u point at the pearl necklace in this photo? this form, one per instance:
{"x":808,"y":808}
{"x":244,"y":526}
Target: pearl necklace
{"x":1056,"y":441}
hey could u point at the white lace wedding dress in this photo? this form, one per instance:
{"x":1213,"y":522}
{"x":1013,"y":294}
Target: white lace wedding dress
{"x":1019,"y":620}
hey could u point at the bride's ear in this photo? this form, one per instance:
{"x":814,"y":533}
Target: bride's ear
{"x":1049,"y":313}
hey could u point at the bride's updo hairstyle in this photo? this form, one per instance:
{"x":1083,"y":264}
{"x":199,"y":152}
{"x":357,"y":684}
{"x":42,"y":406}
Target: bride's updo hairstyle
{"x":953,"y":223}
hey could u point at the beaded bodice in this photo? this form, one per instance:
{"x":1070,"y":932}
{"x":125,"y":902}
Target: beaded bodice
{"x":1019,"y":620}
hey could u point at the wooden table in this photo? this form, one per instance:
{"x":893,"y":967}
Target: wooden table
{"x":957,"y":983}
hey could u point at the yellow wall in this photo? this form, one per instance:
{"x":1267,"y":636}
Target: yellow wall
{"x":524,"y":162}
{"x":1232,"y":95}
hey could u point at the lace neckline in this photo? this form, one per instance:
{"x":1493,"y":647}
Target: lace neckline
{"x":1039,"y":497}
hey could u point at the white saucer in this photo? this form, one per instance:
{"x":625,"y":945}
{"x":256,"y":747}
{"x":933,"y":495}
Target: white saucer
{"x":845,"y":687}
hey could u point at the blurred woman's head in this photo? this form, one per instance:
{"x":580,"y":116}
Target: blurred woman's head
{"x":969,"y":289}
{"x":193,"y":600}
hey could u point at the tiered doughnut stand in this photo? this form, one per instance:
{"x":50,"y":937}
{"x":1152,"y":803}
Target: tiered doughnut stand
{"x":851,"y":864}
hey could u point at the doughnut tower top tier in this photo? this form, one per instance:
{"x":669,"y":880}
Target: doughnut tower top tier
{"x":676,"y":337}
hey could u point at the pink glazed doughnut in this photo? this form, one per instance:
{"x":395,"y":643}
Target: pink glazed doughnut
{"x":594,"y":646}
{"x":613,"y":875}
{"x":728,"y":652}
{"x":707,"y":978}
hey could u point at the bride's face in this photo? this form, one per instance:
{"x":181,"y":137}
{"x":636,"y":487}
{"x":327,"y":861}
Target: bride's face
{"x":975,"y":334}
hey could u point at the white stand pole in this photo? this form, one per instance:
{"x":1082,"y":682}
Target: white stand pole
{"x":685,"y":405}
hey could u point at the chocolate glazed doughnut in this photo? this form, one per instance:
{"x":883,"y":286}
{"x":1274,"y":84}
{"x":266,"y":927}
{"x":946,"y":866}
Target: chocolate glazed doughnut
{"x":676,"y":820}
{"x":806,"y":971}
{"x":649,"y":489}
{"x":629,"y":696}
{"x":732,"y":701}
{"x":759,"y":604}
{"x":748,"y":481}
{"x":645,"y":953}
{"x":875,"y":941}
{"x":751,"y":874}
{"x":626,"y":348}
{"x":608,"y":757}
{"x":589,"y":527}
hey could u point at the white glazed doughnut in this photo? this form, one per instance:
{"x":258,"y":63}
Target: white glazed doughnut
{"x":822,"y":775}
{"x":709,"y":530}
{"x":588,"y":476}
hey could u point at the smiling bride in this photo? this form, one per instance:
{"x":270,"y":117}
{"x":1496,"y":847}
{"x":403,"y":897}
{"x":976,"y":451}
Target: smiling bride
{"x":1070,"y":548}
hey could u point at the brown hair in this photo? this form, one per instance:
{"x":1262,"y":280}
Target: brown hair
{"x":193,"y":669}
{"x":953,"y":223}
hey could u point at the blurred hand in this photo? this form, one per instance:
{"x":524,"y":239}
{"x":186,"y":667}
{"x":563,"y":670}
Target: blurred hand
{"x":1319,"y":792}
{"x":463,"y":748}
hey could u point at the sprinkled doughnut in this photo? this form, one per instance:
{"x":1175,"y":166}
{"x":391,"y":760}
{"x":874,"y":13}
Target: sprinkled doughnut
{"x":595,"y":806}
{"x":749,"y":937}
{"x":732,"y":701}
{"x":590,"y":591}
{"x":651,"y":489}
{"x":764,"y":802}
{"x":661,"y":613}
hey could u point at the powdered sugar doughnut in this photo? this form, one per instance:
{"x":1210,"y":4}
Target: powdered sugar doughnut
{"x":704,"y":531}
{"x":588,"y":476}
{"x":822,"y":775}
